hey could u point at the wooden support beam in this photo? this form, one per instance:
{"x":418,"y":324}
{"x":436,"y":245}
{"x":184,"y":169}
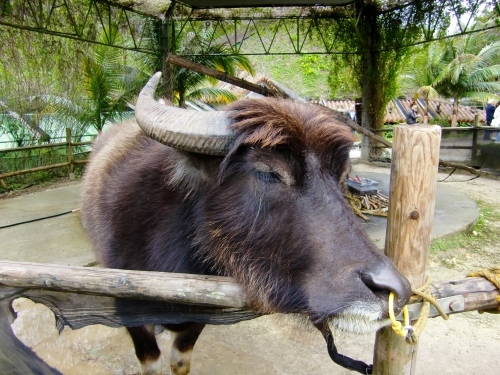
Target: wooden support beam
{"x":221,"y":76}
{"x":414,"y":168}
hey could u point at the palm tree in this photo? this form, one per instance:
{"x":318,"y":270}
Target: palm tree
{"x":465,"y":74}
{"x":109,"y":86}
{"x":422,"y":71}
{"x":191,"y":85}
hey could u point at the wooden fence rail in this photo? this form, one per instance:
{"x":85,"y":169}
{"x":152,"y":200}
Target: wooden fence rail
{"x":216,"y":291}
{"x":69,"y":152}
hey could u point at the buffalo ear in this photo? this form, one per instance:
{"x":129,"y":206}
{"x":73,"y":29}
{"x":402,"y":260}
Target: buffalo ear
{"x":237,"y":149}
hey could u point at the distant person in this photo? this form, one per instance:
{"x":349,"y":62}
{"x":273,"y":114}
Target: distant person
{"x":490,"y":111}
{"x":411,"y":117}
{"x":351,"y":112}
{"x":496,"y":120}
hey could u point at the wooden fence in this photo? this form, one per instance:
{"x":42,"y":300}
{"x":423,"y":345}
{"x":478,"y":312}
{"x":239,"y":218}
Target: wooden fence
{"x":466,"y":145}
{"x":70,"y":163}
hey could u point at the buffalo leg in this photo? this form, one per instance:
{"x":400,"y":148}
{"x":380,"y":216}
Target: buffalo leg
{"x":185,"y":337}
{"x":146,"y":349}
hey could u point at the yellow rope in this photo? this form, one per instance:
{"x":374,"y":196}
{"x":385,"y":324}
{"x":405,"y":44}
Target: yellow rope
{"x":411,"y":333}
{"x":493,"y":276}
{"x":397,"y":326}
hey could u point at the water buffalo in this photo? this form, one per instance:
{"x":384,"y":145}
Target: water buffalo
{"x":253,"y":192}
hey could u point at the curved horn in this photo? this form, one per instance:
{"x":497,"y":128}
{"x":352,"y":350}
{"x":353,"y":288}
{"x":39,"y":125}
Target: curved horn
{"x":201,"y":132}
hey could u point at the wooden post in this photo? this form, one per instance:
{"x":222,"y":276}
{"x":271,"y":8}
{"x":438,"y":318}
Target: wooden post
{"x":70,"y":154}
{"x":415,"y":158}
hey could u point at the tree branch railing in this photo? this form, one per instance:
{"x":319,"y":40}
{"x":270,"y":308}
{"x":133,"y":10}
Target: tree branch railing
{"x":199,"y":290}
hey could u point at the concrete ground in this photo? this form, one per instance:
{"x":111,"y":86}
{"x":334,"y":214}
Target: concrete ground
{"x":268,"y":345}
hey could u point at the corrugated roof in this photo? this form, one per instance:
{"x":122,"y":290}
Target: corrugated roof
{"x":397,"y":108}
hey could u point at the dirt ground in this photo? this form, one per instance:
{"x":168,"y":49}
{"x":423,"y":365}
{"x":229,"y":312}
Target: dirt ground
{"x":468,"y":343}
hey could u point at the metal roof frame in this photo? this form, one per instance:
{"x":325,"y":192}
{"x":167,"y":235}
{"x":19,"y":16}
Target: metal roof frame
{"x":243,"y":27}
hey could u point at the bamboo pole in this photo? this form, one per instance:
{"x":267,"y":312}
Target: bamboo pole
{"x":414,"y":169}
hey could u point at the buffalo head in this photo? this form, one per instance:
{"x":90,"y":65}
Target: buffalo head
{"x":253,"y":193}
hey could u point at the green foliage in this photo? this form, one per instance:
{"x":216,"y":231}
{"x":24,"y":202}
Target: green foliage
{"x":111,"y":79}
{"x":32,"y":65}
{"x":189,"y":84}
{"x":313,"y":65}
{"x":289,"y":71}
{"x":342,"y":79}
{"x":465,"y":74}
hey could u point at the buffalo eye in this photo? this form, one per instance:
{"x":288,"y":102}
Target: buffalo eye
{"x":269,"y":174}
{"x":268,"y":177}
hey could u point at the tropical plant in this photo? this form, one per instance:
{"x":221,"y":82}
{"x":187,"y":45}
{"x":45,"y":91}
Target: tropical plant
{"x":192,"y":85}
{"x":109,"y":85}
{"x":420,"y":73}
{"x":372,"y":42}
{"x":465,"y":74}
{"x":23,"y":79}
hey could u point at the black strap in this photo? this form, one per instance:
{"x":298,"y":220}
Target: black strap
{"x":338,"y":358}
{"x":345,"y":361}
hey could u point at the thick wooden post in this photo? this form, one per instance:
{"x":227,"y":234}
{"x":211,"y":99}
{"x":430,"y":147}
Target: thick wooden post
{"x":415,"y":158}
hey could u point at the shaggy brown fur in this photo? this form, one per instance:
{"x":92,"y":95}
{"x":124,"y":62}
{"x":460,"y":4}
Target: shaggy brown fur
{"x":270,"y":213}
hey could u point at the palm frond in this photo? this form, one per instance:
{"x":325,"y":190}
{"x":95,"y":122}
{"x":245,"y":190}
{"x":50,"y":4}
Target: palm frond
{"x":213,"y":95}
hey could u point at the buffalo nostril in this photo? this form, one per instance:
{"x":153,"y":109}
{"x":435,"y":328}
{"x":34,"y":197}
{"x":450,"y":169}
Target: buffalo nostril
{"x":384,"y":280}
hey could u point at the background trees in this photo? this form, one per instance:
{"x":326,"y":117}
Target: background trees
{"x":465,"y":74}
{"x":110,"y":79}
{"x":32,"y":65}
